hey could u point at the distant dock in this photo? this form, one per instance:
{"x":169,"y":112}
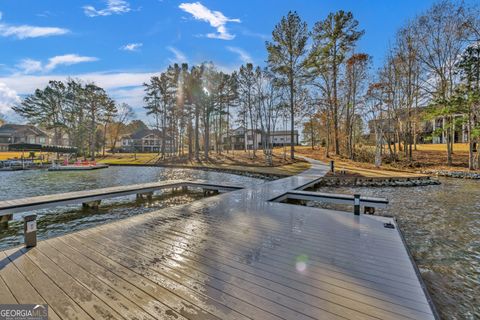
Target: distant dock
{"x":238,"y":255}
{"x":78,"y":168}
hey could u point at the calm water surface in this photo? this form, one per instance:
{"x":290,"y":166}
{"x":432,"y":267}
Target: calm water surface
{"x":441,"y":225}
{"x":60,"y":220}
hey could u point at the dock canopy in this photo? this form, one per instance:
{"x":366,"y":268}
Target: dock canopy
{"x":40,"y":147}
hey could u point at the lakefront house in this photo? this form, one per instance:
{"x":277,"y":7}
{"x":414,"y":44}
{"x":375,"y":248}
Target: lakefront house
{"x":22,"y":133}
{"x":145,"y":140}
{"x":256,"y":138}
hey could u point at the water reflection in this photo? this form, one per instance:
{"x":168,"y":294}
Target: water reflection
{"x":441,"y":225}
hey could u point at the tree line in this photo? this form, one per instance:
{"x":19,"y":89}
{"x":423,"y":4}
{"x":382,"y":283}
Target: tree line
{"x":430,"y":73}
{"x":303,"y":76}
{"x":79,"y":114}
{"x":315,"y":78}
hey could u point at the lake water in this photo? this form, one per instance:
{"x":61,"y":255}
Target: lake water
{"x":60,"y":220}
{"x":441,"y":225}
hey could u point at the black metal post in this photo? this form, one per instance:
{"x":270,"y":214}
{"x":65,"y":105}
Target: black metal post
{"x":332,"y":166}
{"x":30,"y":230}
{"x":356,"y":204}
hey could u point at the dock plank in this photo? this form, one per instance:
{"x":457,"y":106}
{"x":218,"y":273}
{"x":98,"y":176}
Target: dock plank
{"x":47,"y":201}
{"x":226,"y":306}
{"x":142,"y":299}
{"x":72,"y":287}
{"x":118,"y":306}
{"x":151,"y":245}
{"x":60,"y":302}
{"x":19,"y":286}
{"x":176,"y":302}
{"x":276,"y":304}
{"x":6,"y":295}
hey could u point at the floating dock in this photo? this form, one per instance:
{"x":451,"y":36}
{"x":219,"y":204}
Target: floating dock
{"x":234,"y":256}
{"x":78,"y":168}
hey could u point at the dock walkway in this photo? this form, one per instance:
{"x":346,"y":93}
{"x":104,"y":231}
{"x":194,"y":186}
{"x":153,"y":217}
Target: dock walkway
{"x":8,"y":207}
{"x":233,"y":256}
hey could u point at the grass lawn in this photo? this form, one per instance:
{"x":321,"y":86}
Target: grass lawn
{"x":238,"y":161}
{"x":426,"y":157}
{"x":129,"y":158}
{"x":457,"y":147}
{"x":353,"y":167}
{"x":17,"y":155}
{"x":434,"y":156}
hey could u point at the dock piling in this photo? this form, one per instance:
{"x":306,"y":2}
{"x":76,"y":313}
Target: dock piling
{"x":92,"y":204}
{"x":4,"y":220}
{"x":369,"y":210}
{"x":145,"y":195}
{"x":30,"y":230}
{"x":356,"y":204}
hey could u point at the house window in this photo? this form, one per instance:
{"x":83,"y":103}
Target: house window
{"x":31,"y":140}
{"x":41,"y":140}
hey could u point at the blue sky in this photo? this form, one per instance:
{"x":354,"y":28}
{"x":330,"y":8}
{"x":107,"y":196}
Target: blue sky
{"x":119,"y":44}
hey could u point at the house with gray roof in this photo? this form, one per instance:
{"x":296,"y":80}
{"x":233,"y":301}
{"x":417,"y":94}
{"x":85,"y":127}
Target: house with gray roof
{"x":21,"y":133}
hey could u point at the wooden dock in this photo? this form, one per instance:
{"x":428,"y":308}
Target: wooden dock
{"x":8,"y":207}
{"x":233,"y":256}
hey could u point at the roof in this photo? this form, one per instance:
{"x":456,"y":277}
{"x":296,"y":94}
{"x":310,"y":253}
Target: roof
{"x":239,"y":131}
{"x":41,"y":147}
{"x":142,"y":133}
{"x":282,"y":132}
{"x":11,"y":128}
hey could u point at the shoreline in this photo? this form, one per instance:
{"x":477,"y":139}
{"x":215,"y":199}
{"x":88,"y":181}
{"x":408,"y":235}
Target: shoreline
{"x":328,"y":180}
{"x":246,"y":173}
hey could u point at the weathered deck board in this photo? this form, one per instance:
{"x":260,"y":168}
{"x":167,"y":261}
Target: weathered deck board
{"x":164,"y":240}
{"x":141,"y":298}
{"x":51,"y":294}
{"x":157,"y":291}
{"x":200,"y":267}
{"x":228,"y":257}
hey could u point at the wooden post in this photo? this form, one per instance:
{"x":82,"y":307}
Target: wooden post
{"x":332,"y":166}
{"x":92,"y":204}
{"x":145,"y":195}
{"x":30,"y":230}
{"x":4,"y":220}
{"x":356,"y":204}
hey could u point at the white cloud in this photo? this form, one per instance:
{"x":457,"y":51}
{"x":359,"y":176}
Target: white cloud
{"x":215,"y":18}
{"x":249,"y":33}
{"x":242,"y":54}
{"x":8,"y":98}
{"x":27,"y":31}
{"x":131,"y":47}
{"x":26,"y":84}
{"x":113,"y":7}
{"x":122,"y":86}
{"x":132,"y":96}
{"x":67,"y":60}
{"x":28,"y":66}
{"x":179,"y":56}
